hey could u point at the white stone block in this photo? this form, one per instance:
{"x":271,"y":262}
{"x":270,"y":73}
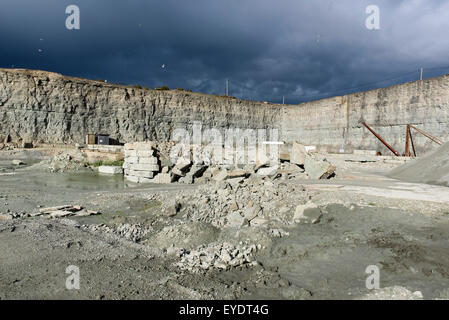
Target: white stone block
{"x":110,"y":169}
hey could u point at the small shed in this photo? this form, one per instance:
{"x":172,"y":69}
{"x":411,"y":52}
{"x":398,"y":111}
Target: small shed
{"x":90,"y":138}
{"x":103,"y":139}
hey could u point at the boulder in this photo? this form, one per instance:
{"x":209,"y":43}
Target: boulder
{"x":270,"y":171}
{"x":18,"y":162}
{"x":235,"y":220}
{"x":197,"y":170}
{"x":163,"y":178}
{"x":319,"y":169}
{"x":252,"y":212}
{"x":307,"y":213}
{"x":221,"y":176}
{"x":284,"y":152}
{"x":183,"y":164}
{"x":298,"y":154}
{"x":188,"y":179}
{"x":237,"y":173}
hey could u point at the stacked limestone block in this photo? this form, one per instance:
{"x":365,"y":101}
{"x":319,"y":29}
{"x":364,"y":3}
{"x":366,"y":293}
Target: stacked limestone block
{"x":141,"y":164}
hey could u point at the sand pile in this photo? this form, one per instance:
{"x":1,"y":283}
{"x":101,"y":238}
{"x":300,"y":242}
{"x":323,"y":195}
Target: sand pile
{"x":433,"y":168}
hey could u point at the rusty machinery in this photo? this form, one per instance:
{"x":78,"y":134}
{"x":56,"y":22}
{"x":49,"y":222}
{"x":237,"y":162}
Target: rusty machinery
{"x":408,"y":140}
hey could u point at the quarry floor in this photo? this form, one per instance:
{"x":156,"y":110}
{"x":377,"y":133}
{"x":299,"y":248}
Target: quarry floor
{"x":368,"y":219}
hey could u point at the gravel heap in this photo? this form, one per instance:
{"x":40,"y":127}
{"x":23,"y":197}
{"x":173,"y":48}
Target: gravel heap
{"x":237,"y":202}
{"x":132,"y":232}
{"x":222,"y":256}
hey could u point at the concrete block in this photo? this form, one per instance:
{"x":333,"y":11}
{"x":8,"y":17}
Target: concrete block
{"x":270,"y":171}
{"x":298,"y":154}
{"x":144,"y":167}
{"x":130,"y":153}
{"x":163,"y":178}
{"x":141,"y":174}
{"x":132,"y":160}
{"x":148,"y":160}
{"x":110,"y":169}
{"x":145,"y":153}
{"x":318,"y":169}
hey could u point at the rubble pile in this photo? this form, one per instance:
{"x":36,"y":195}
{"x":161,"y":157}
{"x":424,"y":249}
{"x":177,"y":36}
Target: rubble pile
{"x":222,"y":256}
{"x":66,"y":160}
{"x":151,"y":162}
{"x":132,"y":232}
{"x":237,"y":202}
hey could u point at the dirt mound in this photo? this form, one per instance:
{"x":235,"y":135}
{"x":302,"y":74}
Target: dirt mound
{"x":433,"y":168}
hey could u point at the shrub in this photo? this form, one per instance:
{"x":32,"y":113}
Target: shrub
{"x":117,"y":163}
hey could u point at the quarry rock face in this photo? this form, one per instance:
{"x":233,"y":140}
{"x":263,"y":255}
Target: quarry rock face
{"x":44,"y":107}
{"x":48,"y":107}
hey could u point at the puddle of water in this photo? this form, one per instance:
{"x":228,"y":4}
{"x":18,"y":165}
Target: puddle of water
{"x":6,"y":166}
{"x":84,"y":181}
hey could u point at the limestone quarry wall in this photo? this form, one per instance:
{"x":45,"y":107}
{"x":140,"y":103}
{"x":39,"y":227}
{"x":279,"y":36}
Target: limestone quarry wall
{"x":48,"y":107}
{"x":335,"y":123}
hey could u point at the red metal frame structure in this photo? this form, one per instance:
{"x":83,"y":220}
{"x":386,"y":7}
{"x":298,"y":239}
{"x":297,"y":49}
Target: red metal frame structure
{"x":409,"y":137}
{"x":382,"y":140}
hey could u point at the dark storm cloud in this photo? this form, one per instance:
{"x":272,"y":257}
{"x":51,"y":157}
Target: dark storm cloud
{"x":300,"y":49}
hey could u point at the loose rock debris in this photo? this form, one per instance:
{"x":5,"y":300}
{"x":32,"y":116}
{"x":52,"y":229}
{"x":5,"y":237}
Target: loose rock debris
{"x":66,"y":211}
{"x":242,"y":232}
{"x":223,"y":256}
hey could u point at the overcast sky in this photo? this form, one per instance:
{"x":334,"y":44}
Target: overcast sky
{"x":300,"y":49}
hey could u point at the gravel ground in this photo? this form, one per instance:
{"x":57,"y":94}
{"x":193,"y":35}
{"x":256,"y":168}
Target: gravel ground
{"x":219,"y":241}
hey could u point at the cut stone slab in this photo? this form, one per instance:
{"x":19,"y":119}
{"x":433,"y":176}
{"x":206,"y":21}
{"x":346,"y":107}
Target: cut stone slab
{"x":110,"y":169}
{"x":141,"y":174}
{"x":145,"y":153}
{"x":284,"y":152}
{"x":237,"y":173}
{"x":188,"y":179}
{"x":148,"y":160}
{"x":183,"y":164}
{"x":130,"y":153}
{"x":163,"y":178}
{"x":144,"y":167}
{"x":197,"y":170}
{"x":221,"y":176}
{"x":132,"y":160}
{"x":270,"y":171}
{"x":140,"y":146}
{"x":318,"y":169}
{"x":298,"y":154}
{"x":178,"y":172}
{"x":60,"y":208}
